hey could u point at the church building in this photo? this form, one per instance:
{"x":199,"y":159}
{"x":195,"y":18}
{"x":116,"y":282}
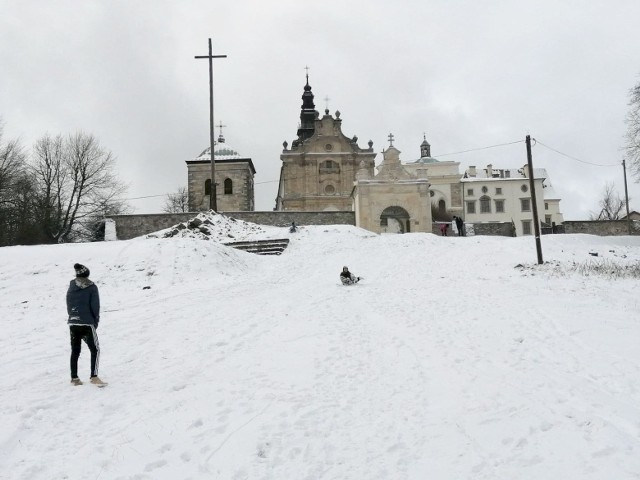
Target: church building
{"x":395,"y":200}
{"x":324,"y":170}
{"x":319,"y":169}
{"x":234,"y":180}
{"x":445,"y":193}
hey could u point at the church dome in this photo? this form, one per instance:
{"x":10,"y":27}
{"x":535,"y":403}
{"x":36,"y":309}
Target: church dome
{"x":222,"y":150}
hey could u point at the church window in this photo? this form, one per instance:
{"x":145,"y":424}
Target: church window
{"x":471,"y":207}
{"x":524,"y":188}
{"x":499,"y":206}
{"x":498,"y":191}
{"x":525,"y":204}
{"x":526,"y":227}
{"x":442,"y":206}
{"x":207,"y":187}
{"x":228,"y":186}
{"x":329,"y":189}
{"x":485,"y":189}
{"x":470,"y":192}
{"x":329,"y":166}
{"x":328,"y":147}
{"x":546,"y":206}
{"x":485,"y":204}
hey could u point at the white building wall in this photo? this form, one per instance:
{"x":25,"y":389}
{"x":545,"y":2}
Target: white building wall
{"x":511,"y":195}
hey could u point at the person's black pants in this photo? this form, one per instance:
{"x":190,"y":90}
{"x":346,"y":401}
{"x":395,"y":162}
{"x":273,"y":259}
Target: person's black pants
{"x":90,"y":336}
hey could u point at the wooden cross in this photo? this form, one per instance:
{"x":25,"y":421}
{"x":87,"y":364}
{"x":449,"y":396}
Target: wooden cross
{"x":212,"y":198}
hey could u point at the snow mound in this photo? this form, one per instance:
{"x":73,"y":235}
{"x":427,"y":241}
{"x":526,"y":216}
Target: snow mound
{"x":219,"y":228}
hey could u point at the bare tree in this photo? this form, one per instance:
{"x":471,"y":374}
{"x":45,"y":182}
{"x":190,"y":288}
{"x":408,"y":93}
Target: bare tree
{"x":48,"y":170}
{"x":177,"y":202}
{"x":11,"y":173}
{"x":11,"y":161}
{"x":633,"y":132}
{"x":611,"y":205}
{"x":75,"y":182}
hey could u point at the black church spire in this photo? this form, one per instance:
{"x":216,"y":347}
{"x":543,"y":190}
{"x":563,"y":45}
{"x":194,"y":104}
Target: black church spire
{"x":308,"y":113}
{"x":425,"y":148}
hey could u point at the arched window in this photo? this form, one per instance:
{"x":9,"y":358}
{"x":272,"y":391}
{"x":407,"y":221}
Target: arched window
{"x":207,"y":187}
{"x":329,"y":166}
{"x":485,"y":204}
{"x":228,"y":186}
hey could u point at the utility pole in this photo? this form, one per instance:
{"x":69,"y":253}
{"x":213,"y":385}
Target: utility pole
{"x":212,"y":194}
{"x":534,"y":207}
{"x":626,"y":195}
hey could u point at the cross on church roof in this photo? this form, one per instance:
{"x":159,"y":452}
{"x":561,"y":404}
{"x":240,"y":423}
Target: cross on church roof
{"x":326,"y":99}
{"x":391,"y":138}
{"x":221,"y":126}
{"x":307,"y":69}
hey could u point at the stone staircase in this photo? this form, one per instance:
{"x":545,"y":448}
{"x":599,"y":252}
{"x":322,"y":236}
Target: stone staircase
{"x":262,"y":247}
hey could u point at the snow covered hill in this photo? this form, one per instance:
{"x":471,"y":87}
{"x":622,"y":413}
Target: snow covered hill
{"x":455,"y":358}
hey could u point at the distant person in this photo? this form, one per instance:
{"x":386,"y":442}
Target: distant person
{"x":443,"y":229}
{"x":83,"y":307}
{"x":460,"y":225}
{"x":348,"y":278}
{"x":293,"y":228}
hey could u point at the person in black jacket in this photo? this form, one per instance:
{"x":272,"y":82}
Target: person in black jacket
{"x":348,"y":278}
{"x":83,"y":307}
{"x":459,"y":226}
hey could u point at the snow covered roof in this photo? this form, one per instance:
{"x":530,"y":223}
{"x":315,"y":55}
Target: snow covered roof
{"x":426,"y":160}
{"x":484,"y":174}
{"x":222,"y":150}
{"x":549,"y":192}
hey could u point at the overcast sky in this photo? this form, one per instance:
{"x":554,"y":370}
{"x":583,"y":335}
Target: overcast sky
{"x":468,"y":73}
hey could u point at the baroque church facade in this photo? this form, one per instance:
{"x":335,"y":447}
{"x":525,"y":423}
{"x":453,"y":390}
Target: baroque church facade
{"x":325,"y":170}
{"x":319,"y":169}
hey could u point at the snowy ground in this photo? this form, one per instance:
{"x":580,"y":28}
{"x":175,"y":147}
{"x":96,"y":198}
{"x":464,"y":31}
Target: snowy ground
{"x":445,"y":363}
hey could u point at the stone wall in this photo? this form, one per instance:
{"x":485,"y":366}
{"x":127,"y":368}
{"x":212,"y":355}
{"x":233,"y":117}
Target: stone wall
{"x":131,"y":226}
{"x":601,"y":227}
{"x":501,"y":229}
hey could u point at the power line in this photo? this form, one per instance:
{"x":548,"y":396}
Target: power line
{"x":481,"y":148}
{"x":148,"y":196}
{"x":573,"y":158}
{"x":441,"y":155}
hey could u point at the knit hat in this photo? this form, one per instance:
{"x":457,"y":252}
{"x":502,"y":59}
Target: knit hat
{"x":81,"y":270}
